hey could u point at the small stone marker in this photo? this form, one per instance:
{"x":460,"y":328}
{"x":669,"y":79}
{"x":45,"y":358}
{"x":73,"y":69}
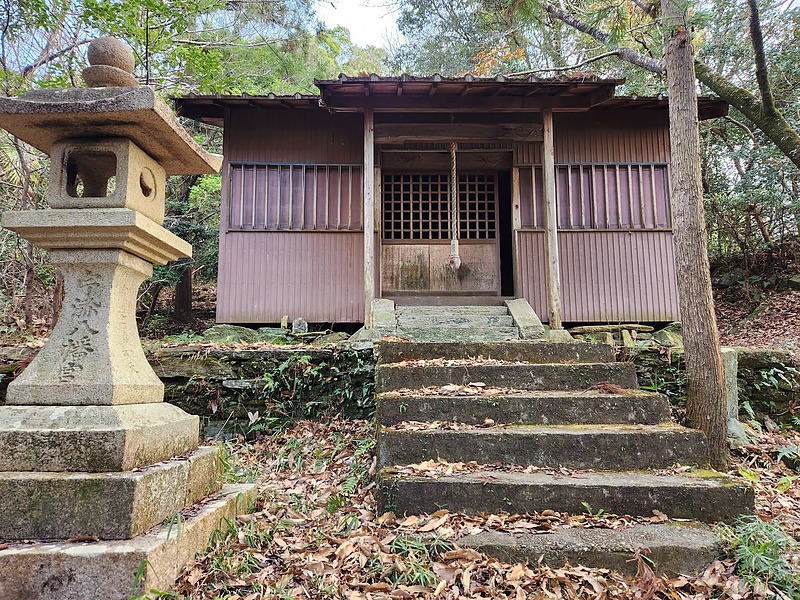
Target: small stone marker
{"x":88,"y":445}
{"x":299,"y":325}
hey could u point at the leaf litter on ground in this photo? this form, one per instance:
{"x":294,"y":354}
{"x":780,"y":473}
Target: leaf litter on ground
{"x":316,"y":534}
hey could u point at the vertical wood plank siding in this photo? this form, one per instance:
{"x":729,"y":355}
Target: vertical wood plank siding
{"x":606,"y":276}
{"x":316,"y":275}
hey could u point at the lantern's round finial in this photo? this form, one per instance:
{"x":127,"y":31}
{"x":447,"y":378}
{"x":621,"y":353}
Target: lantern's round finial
{"x":111,"y":63}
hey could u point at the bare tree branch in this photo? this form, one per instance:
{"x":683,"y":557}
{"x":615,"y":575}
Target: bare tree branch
{"x":569,"y":68}
{"x":626,"y":54}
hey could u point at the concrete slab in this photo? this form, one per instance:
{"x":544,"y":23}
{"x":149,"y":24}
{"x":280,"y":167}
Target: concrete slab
{"x":521,"y":377}
{"x":516,"y":351}
{"x":448,"y":333}
{"x":93,"y":438}
{"x":606,"y":447}
{"x":674,"y":548}
{"x":705,"y":496}
{"x":107,"y":570}
{"x":38,"y":505}
{"x":534,"y":408}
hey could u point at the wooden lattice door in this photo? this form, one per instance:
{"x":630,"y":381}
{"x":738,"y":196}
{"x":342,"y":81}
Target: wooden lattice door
{"x":417,"y":229}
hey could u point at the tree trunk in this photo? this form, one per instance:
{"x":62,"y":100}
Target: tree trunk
{"x":182,"y":308}
{"x":706,"y":401}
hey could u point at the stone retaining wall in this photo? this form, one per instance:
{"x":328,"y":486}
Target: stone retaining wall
{"x":224,"y":385}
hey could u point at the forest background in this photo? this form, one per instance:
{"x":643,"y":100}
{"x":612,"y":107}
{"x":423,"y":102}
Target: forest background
{"x":748,"y":52}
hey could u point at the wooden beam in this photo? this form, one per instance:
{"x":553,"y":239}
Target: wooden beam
{"x":442,"y":102}
{"x":551,"y":222}
{"x":396,"y":133}
{"x":369,"y":215}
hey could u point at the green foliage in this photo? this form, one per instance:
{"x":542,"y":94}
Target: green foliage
{"x":761,"y":550}
{"x":670,"y":380}
{"x":418,"y":553}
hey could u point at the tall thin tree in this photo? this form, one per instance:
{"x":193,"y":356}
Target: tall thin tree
{"x":706,"y":401}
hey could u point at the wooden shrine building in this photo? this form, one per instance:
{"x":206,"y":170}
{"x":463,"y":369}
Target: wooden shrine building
{"x":556,"y":191}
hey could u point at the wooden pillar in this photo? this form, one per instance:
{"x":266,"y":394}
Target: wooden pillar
{"x":369,"y":215}
{"x":516,"y":225}
{"x":551,"y":222}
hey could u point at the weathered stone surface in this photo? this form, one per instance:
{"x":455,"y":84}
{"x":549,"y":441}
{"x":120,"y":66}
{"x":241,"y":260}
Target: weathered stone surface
{"x":98,"y":76}
{"x":560,"y":336}
{"x":100,"y":228}
{"x":169,"y":363}
{"x":601,"y":337}
{"x":530,"y":327}
{"x":674,"y":548}
{"x":331,"y":338}
{"x":793,"y":282}
{"x":448,"y":333}
{"x":534,"y":408}
{"x":383,"y":317}
{"x":627,"y":339}
{"x":521,"y":377}
{"x":42,"y":117}
{"x":611,"y":328}
{"x":93,"y":438}
{"x":756,"y":359}
{"x":623,"y":447}
{"x":517,"y":351}
{"x":93,"y":356}
{"x":705,"y":496}
{"x":107,"y":570}
{"x":37,"y":505}
{"x":299,"y":325}
{"x":107,"y":50}
{"x":230,"y":333}
{"x":671,"y":335}
{"x":139,"y":180}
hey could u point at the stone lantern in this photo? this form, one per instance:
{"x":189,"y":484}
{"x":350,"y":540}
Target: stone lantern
{"x":88,"y":448}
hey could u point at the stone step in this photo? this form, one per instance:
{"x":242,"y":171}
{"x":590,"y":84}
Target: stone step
{"x":516,"y":351}
{"x":673,"y":547}
{"x":605,"y":447}
{"x":531,"y":408}
{"x":557,"y":377}
{"x":454,"y":320}
{"x":458,"y":334}
{"x":110,"y":506}
{"x":706,"y":496}
{"x":451,"y":310}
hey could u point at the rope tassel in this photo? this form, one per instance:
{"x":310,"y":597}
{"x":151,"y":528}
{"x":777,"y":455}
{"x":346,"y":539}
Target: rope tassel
{"x":455,"y":259}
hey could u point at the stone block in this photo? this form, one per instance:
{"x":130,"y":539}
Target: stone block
{"x":100,"y":228}
{"x":93,"y":356}
{"x":93,"y":438}
{"x":107,"y":570}
{"x":90,"y":166}
{"x":39,"y":505}
{"x":673,"y":547}
{"x":530,"y":327}
{"x":558,"y":335}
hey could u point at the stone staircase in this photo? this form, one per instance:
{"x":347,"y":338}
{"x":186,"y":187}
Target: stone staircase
{"x":593,"y":439}
{"x":454,"y":323}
